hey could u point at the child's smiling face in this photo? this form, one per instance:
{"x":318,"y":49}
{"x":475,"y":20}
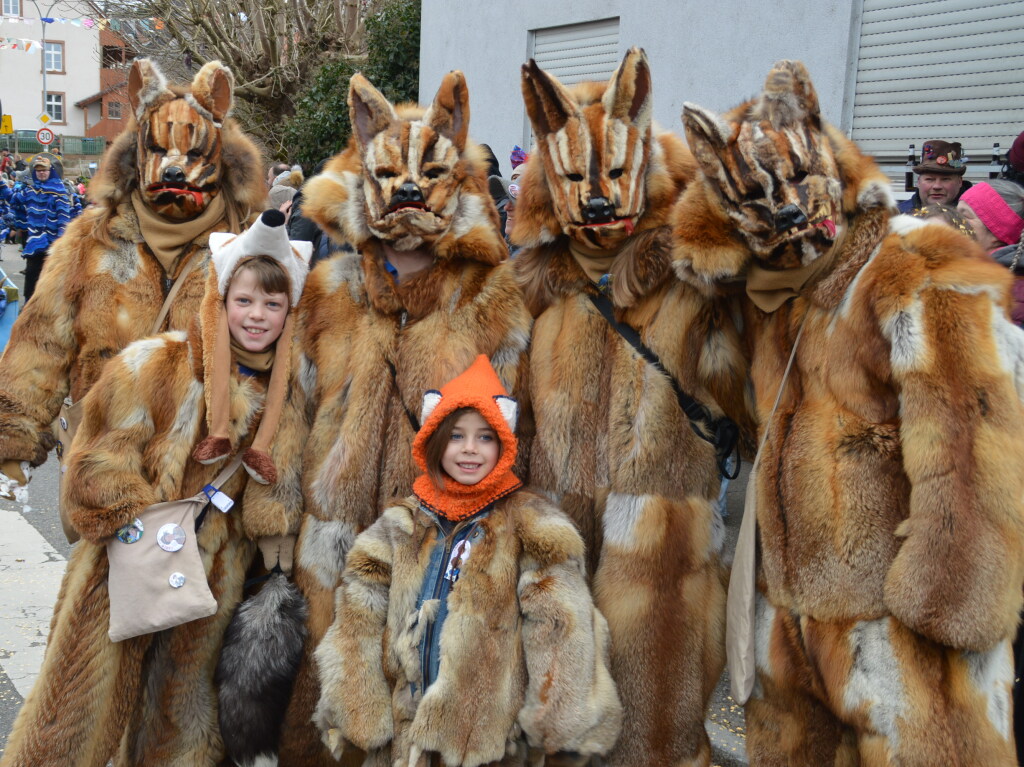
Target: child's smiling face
{"x":255,"y":318}
{"x":472,"y":450}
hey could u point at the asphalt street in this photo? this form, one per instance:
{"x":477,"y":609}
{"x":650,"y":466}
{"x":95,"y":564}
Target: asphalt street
{"x":33,"y":554}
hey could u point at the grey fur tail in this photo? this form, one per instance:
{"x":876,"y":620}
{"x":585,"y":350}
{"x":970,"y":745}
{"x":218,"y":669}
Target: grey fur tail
{"x":256,"y":671}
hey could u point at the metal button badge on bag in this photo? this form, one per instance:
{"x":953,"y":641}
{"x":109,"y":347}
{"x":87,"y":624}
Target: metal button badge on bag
{"x":177,"y":580}
{"x":170,"y":537}
{"x":131,"y":532}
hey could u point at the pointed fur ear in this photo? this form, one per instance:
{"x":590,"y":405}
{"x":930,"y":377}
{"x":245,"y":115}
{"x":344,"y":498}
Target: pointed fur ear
{"x":449,"y":112}
{"x":369,"y":112}
{"x":213,"y":90}
{"x":628,"y":97}
{"x":789,"y":98}
{"x":707,"y":135}
{"x":509,"y":410}
{"x":431,"y":399}
{"x":548,"y":103}
{"x":146,"y":84}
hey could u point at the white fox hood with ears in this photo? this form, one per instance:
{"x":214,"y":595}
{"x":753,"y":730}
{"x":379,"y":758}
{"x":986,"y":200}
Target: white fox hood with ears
{"x":267,"y":237}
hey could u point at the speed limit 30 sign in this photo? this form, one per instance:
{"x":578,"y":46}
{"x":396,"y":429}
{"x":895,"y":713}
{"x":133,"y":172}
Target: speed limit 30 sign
{"x":44,"y":136}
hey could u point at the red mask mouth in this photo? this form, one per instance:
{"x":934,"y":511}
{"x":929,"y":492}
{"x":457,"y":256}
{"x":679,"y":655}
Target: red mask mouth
{"x":407,"y":206}
{"x":178,"y":190}
{"x":627,"y":225}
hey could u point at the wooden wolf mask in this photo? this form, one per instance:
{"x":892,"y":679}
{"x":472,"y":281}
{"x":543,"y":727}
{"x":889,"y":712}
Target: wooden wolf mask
{"x":410,"y":177}
{"x":772,"y":169}
{"x":594,"y":145}
{"x":179,"y":145}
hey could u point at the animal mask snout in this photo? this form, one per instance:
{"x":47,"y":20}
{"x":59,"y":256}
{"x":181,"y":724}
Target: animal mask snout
{"x":788,"y":217}
{"x":598,"y":211}
{"x":174,"y":175}
{"x":407,"y":193}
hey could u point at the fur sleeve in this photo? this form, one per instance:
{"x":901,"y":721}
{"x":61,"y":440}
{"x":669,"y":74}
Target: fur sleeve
{"x":355,"y":699}
{"x":106,"y":484}
{"x":36,"y":363}
{"x":571,"y":703}
{"x":955,"y":358}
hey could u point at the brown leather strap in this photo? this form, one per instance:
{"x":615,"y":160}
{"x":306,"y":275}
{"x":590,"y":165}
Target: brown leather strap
{"x":158,"y":325}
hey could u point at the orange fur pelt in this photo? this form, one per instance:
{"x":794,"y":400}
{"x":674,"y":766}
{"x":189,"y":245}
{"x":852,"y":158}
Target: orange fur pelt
{"x":612,"y":445}
{"x":889,"y":494}
{"x":343,"y":449}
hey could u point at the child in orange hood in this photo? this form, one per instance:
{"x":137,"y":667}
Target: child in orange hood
{"x":490,"y":637}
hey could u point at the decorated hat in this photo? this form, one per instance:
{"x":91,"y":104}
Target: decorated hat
{"x":479,"y":388}
{"x":942,"y":157}
{"x":266,"y":237}
{"x":42,"y":162}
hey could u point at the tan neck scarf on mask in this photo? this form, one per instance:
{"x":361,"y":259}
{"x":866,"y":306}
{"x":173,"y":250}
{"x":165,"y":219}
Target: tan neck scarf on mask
{"x":261,"y":362}
{"x":167,"y":239}
{"x":771,"y":288}
{"x":595,"y":263}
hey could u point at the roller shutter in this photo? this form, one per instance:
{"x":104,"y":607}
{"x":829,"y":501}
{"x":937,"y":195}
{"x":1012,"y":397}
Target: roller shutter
{"x":576,"y":52}
{"x":939,"y":69}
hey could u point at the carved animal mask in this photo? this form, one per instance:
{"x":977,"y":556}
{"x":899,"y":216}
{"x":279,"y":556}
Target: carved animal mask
{"x":594,"y":143}
{"x":179,"y":137}
{"x":413,"y":163}
{"x":771,"y":166}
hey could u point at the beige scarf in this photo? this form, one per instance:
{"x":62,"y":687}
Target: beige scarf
{"x":261,"y":362}
{"x":168,"y":239}
{"x":594,"y":262}
{"x":771,"y":288}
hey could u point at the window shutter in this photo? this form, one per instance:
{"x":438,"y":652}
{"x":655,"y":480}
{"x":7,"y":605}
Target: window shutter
{"x":575,"y":53}
{"x":939,"y":69}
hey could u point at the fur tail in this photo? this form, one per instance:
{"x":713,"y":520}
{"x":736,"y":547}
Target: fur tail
{"x":256,"y":671}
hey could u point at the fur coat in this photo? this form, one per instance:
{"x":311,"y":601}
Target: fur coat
{"x":523,"y":650}
{"x":152,"y":694}
{"x":102,"y":287}
{"x":889,"y":492}
{"x":369,"y":349}
{"x":613,"y":447}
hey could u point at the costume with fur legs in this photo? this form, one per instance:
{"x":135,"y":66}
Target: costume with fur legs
{"x":103,"y":284}
{"x":152,"y":694}
{"x":491,"y":642}
{"x":410,"y":179}
{"x":889,"y":496}
{"x":613,"y":447}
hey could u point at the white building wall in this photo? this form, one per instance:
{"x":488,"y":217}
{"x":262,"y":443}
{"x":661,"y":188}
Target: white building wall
{"x":716,"y":55}
{"x":21,"y":78}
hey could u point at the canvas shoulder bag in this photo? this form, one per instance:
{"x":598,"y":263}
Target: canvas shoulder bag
{"x":70,"y":416}
{"x":157,"y":579}
{"x":741,"y":601}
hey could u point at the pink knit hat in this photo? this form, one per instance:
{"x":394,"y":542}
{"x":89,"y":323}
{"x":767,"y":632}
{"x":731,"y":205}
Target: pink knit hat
{"x":994,"y":213}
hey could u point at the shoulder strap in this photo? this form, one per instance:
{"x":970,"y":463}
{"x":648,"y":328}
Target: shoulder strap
{"x":782,"y":388}
{"x":218,"y":482}
{"x":228,"y":471}
{"x":174,"y":290}
{"x":722,"y":432}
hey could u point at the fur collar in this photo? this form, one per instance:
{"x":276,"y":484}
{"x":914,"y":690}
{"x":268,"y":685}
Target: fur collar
{"x":550,"y":272}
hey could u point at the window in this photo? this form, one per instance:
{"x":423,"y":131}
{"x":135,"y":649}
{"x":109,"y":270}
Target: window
{"x":113,"y":56}
{"x":55,"y":106}
{"x":114,"y":110}
{"x":12,"y":7}
{"x":54,"y":56}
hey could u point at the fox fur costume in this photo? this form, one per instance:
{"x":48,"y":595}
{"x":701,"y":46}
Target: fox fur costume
{"x":612,"y":444}
{"x":889,"y":495}
{"x":410,"y":179}
{"x":154,"y":693}
{"x":102,"y":287}
{"x":520,"y":652}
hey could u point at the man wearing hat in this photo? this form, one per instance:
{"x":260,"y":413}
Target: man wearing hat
{"x":940,"y":176}
{"x":42,"y":207}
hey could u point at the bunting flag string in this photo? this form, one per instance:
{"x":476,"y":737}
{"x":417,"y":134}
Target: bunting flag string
{"x":148,"y":24}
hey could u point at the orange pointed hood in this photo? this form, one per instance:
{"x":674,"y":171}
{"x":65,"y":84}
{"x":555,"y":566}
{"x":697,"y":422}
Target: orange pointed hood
{"x":479,"y":388}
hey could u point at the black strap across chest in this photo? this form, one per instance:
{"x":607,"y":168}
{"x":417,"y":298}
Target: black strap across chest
{"x":722,"y":432}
